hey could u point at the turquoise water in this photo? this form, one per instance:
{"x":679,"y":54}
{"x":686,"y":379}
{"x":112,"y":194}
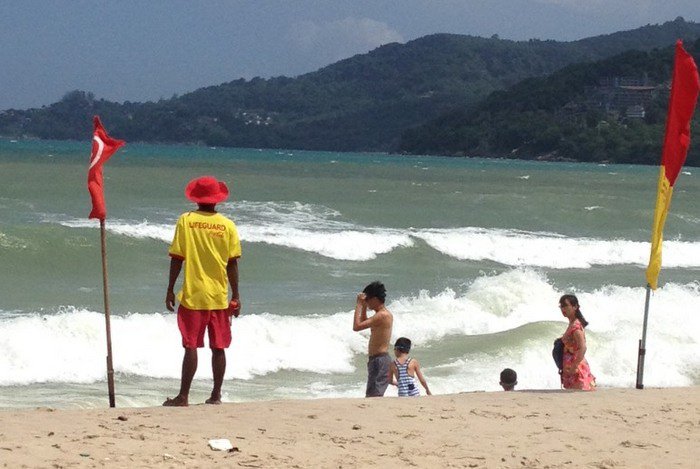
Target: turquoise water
{"x":474,"y":254}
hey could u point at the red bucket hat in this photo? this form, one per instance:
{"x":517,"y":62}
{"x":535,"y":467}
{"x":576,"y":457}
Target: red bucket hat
{"x":206,"y":190}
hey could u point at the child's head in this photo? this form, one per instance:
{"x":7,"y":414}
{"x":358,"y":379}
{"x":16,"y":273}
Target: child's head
{"x":509,"y":378}
{"x":402,"y":346}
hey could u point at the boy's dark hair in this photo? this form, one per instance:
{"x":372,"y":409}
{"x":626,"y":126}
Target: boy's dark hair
{"x":509,"y":377}
{"x":375,"y":290}
{"x":403,"y":344}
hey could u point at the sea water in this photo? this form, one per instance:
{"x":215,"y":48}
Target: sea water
{"x":475,"y":254}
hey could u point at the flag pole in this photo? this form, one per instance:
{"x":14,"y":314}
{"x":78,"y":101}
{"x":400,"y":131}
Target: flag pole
{"x":685,"y":87}
{"x":105,"y":289}
{"x":643,"y":342}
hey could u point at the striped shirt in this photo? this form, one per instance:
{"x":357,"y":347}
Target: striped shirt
{"x":406,"y":384}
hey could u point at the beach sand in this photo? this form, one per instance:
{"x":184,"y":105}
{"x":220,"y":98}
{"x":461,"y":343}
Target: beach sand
{"x":602,"y":429}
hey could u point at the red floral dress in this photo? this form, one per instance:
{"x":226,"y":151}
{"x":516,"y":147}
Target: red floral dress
{"x":582,"y":377}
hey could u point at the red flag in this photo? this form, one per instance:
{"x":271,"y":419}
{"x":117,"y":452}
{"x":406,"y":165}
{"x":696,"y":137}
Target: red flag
{"x":103,"y":146}
{"x":684,"y":94}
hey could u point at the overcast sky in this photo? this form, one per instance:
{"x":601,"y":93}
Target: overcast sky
{"x":145,"y":50}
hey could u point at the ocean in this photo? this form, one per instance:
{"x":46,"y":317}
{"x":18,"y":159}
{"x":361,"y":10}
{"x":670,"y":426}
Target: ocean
{"x":474,"y":253}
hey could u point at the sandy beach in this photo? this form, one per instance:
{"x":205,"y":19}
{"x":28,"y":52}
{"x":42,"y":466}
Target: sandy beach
{"x":603,"y":429}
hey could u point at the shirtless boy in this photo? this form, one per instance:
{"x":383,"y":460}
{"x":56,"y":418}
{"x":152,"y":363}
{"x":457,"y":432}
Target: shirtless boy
{"x":379,"y":324}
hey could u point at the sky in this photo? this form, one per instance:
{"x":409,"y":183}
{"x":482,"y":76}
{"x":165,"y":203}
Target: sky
{"x":145,"y":50}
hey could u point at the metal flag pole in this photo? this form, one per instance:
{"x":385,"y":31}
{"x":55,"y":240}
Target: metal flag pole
{"x":105,"y":289}
{"x":643,"y":342}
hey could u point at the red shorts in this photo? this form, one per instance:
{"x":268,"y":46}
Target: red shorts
{"x":193,"y":323}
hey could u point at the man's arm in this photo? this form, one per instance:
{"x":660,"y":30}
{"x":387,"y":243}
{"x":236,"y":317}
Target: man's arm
{"x":360,"y":321}
{"x":393,"y":374}
{"x":175,"y":267}
{"x":232,"y":273}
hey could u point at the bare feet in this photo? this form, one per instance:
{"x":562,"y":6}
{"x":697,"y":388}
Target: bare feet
{"x":212,"y":400}
{"x":177,"y":401}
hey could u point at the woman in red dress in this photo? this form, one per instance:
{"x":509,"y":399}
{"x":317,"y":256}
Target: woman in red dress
{"x":576,"y":373}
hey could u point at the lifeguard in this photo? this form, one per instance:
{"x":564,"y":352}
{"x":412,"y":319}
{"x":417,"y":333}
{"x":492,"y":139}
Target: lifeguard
{"x":207,"y":243}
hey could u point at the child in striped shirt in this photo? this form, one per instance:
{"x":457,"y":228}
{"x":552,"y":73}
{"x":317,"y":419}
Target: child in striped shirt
{"x":404,"y":370}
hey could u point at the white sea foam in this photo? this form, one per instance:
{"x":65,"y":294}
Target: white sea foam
{"x":305,"y":227}
{"x":135,"y":229}
{"x":615,"y":315}
{"x":149,"y":345}
{"x":349,"y":244}
{"x":514,"y":314}
{"x":687,"y":218}
{"x":345,"y":245}
{"x":321,"y":230}
{"x":11,"y":242}
{"x":541,"y":249}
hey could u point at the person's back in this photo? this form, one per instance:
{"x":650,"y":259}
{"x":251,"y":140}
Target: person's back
{"x":404,"y":381}
{"x":207,"y":242}
{"x":404,"y":369}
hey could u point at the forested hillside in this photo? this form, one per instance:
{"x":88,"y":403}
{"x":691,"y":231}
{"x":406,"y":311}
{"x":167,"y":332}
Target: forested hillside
{"x":363,"y":103}
{"x":608,"y":111}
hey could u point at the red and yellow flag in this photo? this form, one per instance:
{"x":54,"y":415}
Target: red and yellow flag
{"x":684,"y":95}
{"x":103,"y":146}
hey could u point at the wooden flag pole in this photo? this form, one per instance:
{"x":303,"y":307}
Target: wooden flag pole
{"x":105,"y":289}
{"x":643,"y":343}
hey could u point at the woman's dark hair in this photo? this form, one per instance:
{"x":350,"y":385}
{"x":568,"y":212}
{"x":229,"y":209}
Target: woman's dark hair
{"x":375,"y":290}
{"x":573,"y":301}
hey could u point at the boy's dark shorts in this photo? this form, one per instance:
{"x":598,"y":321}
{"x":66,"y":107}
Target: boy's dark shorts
{"x":377,"y":375}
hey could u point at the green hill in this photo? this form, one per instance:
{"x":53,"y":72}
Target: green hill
{"x":612,"y":110}
{"x":362,"y":103}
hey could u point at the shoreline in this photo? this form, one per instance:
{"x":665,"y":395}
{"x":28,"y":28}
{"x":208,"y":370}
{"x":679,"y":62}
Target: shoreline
{"x":610,"y":427}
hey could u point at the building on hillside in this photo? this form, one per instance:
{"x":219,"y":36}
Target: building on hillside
{"x":635,"y":111}
{"x":623,"y":97}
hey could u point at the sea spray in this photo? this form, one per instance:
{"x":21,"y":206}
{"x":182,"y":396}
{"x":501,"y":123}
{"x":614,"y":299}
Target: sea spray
{"x":551,"y":250}
{"x":474,"y":257}
{"x":514,"y":248}
{"x":465,"y":338}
